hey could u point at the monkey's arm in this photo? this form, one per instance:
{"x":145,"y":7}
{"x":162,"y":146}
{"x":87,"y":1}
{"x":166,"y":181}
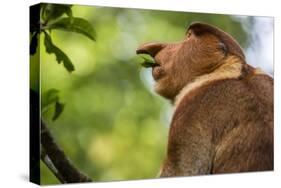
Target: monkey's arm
{"x":188,"y":157}
{"x":190,"y":147}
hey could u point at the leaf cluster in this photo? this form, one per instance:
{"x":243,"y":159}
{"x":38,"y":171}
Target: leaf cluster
{"x":45,"y":18}
{"x":52,"y":18}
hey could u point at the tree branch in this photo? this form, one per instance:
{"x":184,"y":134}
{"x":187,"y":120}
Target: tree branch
{"x":60,"y":164}
{"x":47,"y":161}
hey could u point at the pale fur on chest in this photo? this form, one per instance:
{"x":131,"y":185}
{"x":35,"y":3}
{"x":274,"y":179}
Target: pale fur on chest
{"x":232,"y":69}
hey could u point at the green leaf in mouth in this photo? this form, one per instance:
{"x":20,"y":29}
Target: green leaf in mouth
{"x":148,"y":62}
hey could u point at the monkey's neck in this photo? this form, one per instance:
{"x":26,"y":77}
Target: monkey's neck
{"x":230,"y":68}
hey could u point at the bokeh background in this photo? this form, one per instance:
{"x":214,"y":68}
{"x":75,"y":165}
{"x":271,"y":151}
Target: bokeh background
{"x":114,"y":127}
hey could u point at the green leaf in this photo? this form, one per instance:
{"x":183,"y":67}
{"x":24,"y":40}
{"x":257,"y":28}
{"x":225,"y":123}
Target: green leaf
{"x":58,"y":110}
{"x":60,"y":55}
{"x":54,"y":11}
{"x":78,"y":25}
{"x":148,"y":62}
{"x":49,"y":97}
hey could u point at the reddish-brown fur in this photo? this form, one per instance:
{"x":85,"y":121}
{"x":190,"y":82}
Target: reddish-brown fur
{"x":223,"y":119}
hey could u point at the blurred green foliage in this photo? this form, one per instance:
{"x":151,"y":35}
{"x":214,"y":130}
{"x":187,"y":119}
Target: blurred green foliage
{"x":113,"y":126}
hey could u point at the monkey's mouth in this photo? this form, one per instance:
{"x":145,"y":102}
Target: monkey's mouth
{"x":157,"y":70}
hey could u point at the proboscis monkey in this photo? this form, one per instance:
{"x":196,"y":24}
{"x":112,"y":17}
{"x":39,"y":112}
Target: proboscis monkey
{"x":223,"y":118}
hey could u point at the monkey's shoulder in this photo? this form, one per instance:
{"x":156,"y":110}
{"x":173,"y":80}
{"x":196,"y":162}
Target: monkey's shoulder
{"x":225,"y":98}
{"x":262,"y":86}
{"x":212,"y":92}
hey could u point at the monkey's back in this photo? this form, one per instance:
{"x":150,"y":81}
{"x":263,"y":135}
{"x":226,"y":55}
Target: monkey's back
{"x":248,"y":145}
{"x":236,"y":118}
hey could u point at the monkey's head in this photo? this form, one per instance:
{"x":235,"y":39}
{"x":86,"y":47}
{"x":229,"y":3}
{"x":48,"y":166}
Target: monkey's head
{"x":204,"y":49}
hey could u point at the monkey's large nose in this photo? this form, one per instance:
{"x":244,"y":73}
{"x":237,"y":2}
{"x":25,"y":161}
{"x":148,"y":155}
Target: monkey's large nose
{"x":150,"y":48}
